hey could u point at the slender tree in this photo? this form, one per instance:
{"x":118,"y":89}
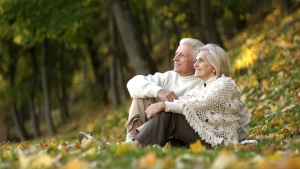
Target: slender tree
{"x":23,"y":135}
{"x":46,"y":92}
{"x":135,"y":47}
{"x":32,"y":108}
{"x":208,"y":22}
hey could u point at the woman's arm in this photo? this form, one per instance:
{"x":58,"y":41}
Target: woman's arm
{"x":155,"y":108}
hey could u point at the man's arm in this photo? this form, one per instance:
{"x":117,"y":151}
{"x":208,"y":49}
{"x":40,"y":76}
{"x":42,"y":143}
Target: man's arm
{"x":151,"y":86}
{"x":143,"y":86}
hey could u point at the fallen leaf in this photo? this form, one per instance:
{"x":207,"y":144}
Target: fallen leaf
{"x":147,"y":161}
{"x":224,"y":160}
{"x":197,"y":146}
{"x":75,"y":164}
{"x":42,"y":161}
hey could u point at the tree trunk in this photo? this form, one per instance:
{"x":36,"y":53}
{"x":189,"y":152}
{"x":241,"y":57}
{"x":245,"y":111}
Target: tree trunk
{"x":286,"y":7}
{"x":95,"y":62}
{"x":63,"y":117}
{"x":201,"y":33}
{"x":132,"y":39}
{"x":13,"y":108}
{"x":61,"y":93}
{"x":33,"y":115}
{"x":113,"y":66}
{"x":105,"y":87}
{"x":17,"y":123}
{"x":4,"y":131}
{"x":167,"y":36}
{"x":208,"y":22}
{"x":64,"y":98}
{"x":147,"y":27}
{"x":47,"y":104}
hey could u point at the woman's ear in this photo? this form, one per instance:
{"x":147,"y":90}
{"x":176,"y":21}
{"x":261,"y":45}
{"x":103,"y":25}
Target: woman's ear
{"x":214,"y":70}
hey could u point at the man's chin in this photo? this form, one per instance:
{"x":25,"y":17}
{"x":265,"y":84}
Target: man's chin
{"x":176,"y":70}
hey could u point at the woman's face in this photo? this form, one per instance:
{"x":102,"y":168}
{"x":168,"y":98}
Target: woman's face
{"x":203,"y":69}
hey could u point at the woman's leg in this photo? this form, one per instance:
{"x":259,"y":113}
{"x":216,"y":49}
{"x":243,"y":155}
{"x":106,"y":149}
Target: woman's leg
{"x":157,"y":130}
{"x":185,"y":132}
{"x":166,"y":124}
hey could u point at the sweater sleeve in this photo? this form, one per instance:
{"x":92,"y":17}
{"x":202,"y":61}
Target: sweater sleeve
{"x":145,"y":86}
{"x":244,"y":123}
{"x":174,"y":107}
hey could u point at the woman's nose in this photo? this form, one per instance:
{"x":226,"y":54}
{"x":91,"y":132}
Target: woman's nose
{"x":195,"y":64}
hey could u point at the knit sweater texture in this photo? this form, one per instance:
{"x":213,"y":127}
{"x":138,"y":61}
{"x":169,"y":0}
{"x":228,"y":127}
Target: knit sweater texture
{"x":148,"y":86}
{"x":214,"y":109}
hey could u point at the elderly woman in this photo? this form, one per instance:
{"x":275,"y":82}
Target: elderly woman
{"x":212,"y":111}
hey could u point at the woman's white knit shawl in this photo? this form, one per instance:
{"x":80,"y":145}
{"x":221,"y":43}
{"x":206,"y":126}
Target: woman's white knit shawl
{"x":213,"y":111}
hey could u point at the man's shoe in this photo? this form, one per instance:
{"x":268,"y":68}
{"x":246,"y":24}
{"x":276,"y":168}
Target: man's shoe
{"x":129,"y":139}
{"x":81,"y":136}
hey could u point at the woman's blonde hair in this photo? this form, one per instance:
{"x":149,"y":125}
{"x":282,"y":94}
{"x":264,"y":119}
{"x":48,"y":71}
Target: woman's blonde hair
{"x":218,"y":58}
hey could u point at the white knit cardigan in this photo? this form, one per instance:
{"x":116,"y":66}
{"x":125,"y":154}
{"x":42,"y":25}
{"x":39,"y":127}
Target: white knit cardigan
{"x":212,"y":110}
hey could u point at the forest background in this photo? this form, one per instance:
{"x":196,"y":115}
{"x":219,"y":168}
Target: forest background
{"x":64,"y":66}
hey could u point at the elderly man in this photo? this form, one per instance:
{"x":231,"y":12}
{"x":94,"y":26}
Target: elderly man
{"x":162,"y":86}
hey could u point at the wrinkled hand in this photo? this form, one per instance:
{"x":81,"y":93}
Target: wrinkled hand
{"x":154,"y":109}
{"x":166,"y":95}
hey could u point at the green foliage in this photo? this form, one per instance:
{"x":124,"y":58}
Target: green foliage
{"x":54,"y":20}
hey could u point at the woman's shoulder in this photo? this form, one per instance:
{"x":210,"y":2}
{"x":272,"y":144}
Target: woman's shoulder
{"x":226,"y":79}
{"x":226,"y":82}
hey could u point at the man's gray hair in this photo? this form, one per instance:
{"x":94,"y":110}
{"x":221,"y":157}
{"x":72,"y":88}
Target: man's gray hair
{"x":194,"y":43}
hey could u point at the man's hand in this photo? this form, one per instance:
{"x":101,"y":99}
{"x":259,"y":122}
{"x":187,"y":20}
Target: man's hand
{"x":154,"y":109}
{"x":166,"y":95}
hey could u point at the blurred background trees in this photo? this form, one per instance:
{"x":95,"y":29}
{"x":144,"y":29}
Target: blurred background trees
{"x":54,"y":54}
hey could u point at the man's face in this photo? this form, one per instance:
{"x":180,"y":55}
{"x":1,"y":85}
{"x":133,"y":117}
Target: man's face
{"x":183,"y":61}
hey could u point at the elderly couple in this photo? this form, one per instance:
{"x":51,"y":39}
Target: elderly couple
{"x":196,"y":101}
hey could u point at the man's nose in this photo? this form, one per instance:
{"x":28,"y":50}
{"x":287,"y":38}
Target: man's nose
{"x":175,"y":57}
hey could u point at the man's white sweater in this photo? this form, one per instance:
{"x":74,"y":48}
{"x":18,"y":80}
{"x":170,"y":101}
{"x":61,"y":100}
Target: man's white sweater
{"x":148,"y":86}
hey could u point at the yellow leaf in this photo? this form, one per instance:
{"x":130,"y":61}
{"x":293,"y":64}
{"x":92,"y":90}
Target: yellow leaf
{"x":280,"y":136}
{"x":275,"y":157}
{"x":167,"y":147}
{"x":18,"y":39}
{"x":224,"y":160}
{"x":197,"y":146}
{"x":75,"y":164}
{"x":148,"y":161}
{"x":23,"y":161}
{"x":257,"y":115}
{"x":265,"y":84}
{"x":263,"y":96}
{"x":7,"y":155}
{"x":90,"y":152}
{"x":275,"y":67}
{"x":42,"y":161}
{"x":90,"y":127}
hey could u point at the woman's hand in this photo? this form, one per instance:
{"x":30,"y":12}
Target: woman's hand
{"x":167,"y":95}
{"x":154,"y":109}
